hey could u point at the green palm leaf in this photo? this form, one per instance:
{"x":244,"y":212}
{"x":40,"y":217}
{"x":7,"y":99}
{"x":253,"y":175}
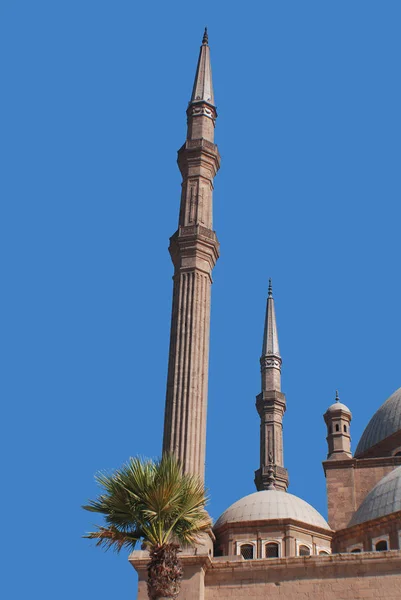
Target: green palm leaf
{"x":149,"y":501}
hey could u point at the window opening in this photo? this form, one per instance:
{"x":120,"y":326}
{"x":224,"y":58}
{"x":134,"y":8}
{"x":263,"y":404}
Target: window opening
{"x":304,"y":551}
{"x":356,"y":550}
{"x":271,"y":550}
{"x":345,"y":429}
{"x":337,"y":427}
{"x":247,"y":551}
{"x":380,"y":546}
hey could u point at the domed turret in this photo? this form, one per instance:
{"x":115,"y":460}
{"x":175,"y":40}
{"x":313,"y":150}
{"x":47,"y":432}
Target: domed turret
{"x":338,"y":418}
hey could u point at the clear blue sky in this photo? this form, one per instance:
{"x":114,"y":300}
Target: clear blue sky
{"x":94,"y":95}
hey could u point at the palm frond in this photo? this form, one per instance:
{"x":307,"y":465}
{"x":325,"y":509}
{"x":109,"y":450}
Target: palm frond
{"x":111,"y":537}
{"x":153,"y":499}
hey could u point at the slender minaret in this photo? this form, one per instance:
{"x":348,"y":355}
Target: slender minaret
{"x":194,"y":251}
{"x":270,"y":404}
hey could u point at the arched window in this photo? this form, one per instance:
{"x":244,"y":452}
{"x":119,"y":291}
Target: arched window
{"x":271,"y":550}
{"x":398,"y":453}
{"x":323,"y":552}
{"x":381,"y":546}
{"x":354,"y":550}
{"x":345,"y":429}
{"x":304,"y":551}
{"x":247,"y":551}
{"x":337,"y":427}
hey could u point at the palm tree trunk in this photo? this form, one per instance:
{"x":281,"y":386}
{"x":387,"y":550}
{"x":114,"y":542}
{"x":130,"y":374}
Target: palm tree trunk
{"x":164,"y":572}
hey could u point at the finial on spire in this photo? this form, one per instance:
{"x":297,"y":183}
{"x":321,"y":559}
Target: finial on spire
{"x":205,"y":40}
{"x":337,"y":396}
{"x":270,"y":288}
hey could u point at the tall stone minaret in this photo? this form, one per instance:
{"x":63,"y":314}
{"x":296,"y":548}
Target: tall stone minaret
{"x":270,"y":404}
{"x":194,"y":251}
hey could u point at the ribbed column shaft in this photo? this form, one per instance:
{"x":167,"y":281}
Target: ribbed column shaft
{"x":186,"y":400}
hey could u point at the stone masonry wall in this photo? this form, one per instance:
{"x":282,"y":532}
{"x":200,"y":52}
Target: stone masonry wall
{"x":348,"y":481}
{"x":368,"y":575}
{"x":340,"y":577}
{"x":340,"y":495}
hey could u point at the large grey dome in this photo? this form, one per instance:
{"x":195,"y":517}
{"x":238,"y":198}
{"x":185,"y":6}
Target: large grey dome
{"x":385,"y":422}
{"x":384,"y":499}
{"x":269,"y":505}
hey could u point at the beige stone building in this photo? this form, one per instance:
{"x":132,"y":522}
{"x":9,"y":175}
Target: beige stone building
{"x":270,"y":544}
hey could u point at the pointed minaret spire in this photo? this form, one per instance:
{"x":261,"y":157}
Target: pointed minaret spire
{"x":194,"y":250}
{"x":271,"y":405}
{"x":202,"y":98}
{"x":270,"y":336}
{"x":337,"y":396}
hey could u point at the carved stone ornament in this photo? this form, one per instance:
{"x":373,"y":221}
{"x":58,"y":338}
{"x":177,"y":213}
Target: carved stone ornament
{"x":198,"y":110}
{"x":269,"y":362}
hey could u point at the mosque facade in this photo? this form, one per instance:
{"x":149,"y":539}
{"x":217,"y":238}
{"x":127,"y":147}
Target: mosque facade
{"x":270,"y":543}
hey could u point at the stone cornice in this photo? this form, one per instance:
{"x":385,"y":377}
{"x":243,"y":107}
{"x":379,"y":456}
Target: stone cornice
{"x":328,"y":566}
{"x":281,"y":523}
{"x":193,"y":241}
{"x":270,"y":400}
{"x":197,"y":152}
{"x":139,"y":559}
{"x":362,"y":463}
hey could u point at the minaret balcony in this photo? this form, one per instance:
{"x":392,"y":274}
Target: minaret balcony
{"x":270,"y":400}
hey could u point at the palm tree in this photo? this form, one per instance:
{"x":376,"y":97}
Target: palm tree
{"x":156,"y":504}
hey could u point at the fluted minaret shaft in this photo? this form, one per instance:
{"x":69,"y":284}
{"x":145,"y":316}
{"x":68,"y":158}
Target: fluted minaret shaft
{"x":271,"y":405}
{"x":194,"y":251}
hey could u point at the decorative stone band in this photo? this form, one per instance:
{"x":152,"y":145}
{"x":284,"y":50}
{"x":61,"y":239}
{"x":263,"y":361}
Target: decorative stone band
{"x":202,"y":109}
{"x":197,"y":230}
{"x":271,"y":361}
{"x":200,"y":143}
{"x":278,"y":471}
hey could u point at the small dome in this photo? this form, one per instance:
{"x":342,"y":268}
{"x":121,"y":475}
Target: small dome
{"x":383,"y":499}
{"x":269,"y":505}
{"x":385,"y":422}
{"x":338,"y":406}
